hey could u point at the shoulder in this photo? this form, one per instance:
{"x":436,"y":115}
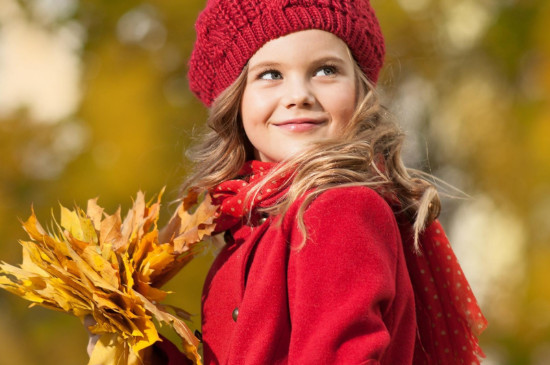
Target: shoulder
{"x":349,"y":205}
{"x":350,"y":201}
{"x":353,"y":216}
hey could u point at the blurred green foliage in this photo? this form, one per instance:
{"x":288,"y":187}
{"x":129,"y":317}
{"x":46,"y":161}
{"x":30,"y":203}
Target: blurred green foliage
{"x":470,"y":79}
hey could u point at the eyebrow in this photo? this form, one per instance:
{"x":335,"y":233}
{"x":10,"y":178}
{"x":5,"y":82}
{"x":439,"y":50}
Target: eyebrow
{"x":335,"y":59}
{"x":275,"y":65}
{"x":264,"y":65}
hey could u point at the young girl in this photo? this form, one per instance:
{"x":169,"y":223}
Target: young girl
{"x":333,"y":253}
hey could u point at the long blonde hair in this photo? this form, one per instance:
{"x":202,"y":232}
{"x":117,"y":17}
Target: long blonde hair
{"x":367,"y":153}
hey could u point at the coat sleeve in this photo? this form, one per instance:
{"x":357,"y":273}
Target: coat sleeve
{"x":167,"y":353}
{"x":342,"y":281}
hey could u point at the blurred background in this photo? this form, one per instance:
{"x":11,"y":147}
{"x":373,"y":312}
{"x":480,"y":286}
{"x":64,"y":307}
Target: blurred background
{"x":94,"y":101}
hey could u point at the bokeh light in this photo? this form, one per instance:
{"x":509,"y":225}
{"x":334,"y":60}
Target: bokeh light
{"x":94,"y":101}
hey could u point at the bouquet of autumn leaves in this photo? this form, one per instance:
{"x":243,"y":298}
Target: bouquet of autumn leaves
{"x":95,"y":264}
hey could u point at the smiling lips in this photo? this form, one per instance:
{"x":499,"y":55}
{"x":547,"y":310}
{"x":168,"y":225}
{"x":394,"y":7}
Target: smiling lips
{"x":299,"y":125}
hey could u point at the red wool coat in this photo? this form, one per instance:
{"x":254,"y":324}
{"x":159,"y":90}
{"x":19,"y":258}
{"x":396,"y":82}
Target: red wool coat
{"x":345,"y":297}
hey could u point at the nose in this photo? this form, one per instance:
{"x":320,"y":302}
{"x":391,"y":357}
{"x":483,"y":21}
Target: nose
{"x":298,"y":94}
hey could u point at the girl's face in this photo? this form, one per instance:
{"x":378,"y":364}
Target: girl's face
{"x":300,"y":88}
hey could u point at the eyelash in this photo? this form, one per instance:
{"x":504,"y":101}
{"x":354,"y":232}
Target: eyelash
{"x":266,"y":72}
{"x":333,"y":68}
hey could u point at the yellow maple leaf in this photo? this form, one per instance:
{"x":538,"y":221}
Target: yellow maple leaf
{"x":101,"y":265}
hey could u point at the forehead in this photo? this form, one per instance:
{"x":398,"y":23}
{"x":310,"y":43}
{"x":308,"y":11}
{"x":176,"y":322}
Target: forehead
{"x":305,"y":44}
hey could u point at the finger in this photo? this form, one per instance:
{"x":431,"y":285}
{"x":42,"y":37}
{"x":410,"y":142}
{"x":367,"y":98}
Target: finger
{"x":92,"y":341}
{"x":89,"y":321}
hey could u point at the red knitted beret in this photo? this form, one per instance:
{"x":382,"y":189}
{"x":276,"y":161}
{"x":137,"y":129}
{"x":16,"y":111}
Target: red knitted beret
{"x":229,"y":32}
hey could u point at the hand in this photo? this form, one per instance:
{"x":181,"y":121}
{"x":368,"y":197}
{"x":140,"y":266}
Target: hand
{"x":152,"y":356}
{"x":92,"y":338}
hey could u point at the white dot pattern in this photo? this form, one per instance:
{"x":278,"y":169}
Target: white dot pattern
{"x":448,"y":316}
{"x":446,"y":309}
{"x":233,"y":198}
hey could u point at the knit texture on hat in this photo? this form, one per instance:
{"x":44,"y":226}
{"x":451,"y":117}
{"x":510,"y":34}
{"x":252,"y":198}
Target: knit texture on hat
{"x":229,"y":32}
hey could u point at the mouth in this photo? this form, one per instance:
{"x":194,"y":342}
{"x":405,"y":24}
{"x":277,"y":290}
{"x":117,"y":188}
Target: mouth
{"x":299,"y":124}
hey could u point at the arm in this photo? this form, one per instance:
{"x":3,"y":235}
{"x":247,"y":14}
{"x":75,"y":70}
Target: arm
{"x":166,"y":353}
{"x":342,"y":282}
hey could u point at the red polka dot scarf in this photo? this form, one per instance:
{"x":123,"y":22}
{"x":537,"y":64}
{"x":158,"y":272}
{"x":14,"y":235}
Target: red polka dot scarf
{"x":233,"y":195}
{"x":448,"y":316}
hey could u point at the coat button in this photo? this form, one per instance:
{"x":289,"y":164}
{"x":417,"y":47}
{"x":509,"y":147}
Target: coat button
{"x":262,"y":219}
{"x":235,"y":314}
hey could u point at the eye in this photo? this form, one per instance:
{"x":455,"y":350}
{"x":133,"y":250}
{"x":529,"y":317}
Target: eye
{"x":270,"y":75}
{"x":326,"y":71}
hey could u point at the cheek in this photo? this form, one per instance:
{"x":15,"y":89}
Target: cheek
{"x":341,"y":104}
{"x":254,"y":108}
{"x":251,"y":117}
{"x":246,"y":109}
